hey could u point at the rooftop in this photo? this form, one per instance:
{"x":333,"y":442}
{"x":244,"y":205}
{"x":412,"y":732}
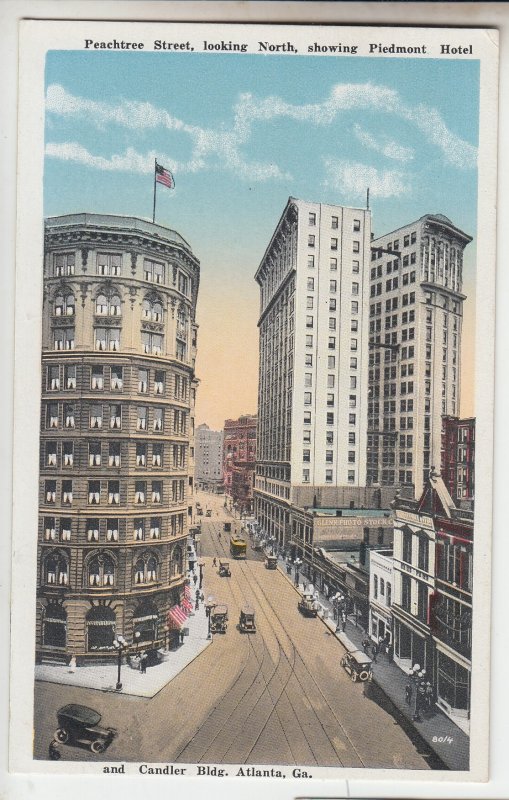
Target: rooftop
{"x":116,"y":222}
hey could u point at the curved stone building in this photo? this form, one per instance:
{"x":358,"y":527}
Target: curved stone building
{"x":117,"y":422}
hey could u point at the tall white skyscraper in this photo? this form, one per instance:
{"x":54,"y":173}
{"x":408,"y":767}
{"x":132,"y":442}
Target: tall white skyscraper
{"x":415,"y":321}
{"x":313,"y":374}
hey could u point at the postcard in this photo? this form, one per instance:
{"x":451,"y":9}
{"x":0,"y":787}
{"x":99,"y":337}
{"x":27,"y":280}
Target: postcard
{"x":254,"y":383}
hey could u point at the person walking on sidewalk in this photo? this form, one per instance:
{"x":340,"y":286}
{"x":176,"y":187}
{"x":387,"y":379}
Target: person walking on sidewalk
{"x":143,"y":662}
{"x":365,"y":644}
{"x":374,"y":650}
{"x":343,"y":621}
{"x":429,"y":696}
{"x":214,"y":562}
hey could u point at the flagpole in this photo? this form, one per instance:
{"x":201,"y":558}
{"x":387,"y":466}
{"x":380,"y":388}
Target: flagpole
{"x":154,"y":207}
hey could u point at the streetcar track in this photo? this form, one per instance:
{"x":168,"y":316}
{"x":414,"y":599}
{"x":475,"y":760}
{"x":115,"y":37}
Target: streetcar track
{"x":247,"y":663}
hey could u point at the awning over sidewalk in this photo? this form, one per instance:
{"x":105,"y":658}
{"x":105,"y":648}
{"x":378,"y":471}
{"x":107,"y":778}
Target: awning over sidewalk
{"x":176,"y":617}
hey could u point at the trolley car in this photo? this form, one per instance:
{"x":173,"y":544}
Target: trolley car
{"x":238,"y":547}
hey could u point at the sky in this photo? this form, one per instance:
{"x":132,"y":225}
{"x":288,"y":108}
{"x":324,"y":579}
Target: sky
{"x":242,"y":133}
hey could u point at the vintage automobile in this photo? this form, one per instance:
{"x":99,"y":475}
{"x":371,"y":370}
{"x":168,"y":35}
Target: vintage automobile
{"x":219,"y":619}
{"x":270,"y":561}
{"x":208,"y":512}
{"x":247,"y":620}
{"x":224,"y":569}
{"x":355,"y":661}
{"x":78,"y":725}
{"x":308,"y":606}
{"x":227,"y":527}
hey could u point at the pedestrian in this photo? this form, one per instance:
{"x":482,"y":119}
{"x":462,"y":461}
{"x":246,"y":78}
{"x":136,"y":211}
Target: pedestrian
{"x":429,"y":695}
{"x":214,"y":562}
{"x":343,"y":621}
{"x":202,"y":597}
{"x":72,"y":664}
{"x":408,"y":694}
{"x":219,"y":535}
{"x":143,"y":662}
{"x":421,"y":697}
{"x":365,"y":643}
{"x":195,"y":579}
{"x":374,"y":650}
{"x":182,"y":634}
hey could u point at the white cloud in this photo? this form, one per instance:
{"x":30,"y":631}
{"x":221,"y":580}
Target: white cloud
{"x":387,"y":147}
{"x":224,"y":147}
{"x":353,"y":178}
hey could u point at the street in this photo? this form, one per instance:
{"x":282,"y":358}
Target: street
{"x":277,"y":696}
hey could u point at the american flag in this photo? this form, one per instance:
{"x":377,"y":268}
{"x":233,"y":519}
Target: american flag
{"x":165,"y":177}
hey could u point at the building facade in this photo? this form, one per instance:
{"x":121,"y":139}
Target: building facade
{"x":381,"y":583}
{"x":239,"y":458}
{"x":432,"y":608}
{"x":209,"y":458}
{"x":415,"y":322}
{"x":458,"y":458}
{"x":117,"y":419}
{"x":312,"y":396}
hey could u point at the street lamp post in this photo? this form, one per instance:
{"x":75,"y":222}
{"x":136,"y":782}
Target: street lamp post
{"x":417,"y":675}
{"x":209,"y":605}
{"x":201,"y":564}
{"x":297,"y":564}
{"x":120,"y":644}
{"x":137,"y":636}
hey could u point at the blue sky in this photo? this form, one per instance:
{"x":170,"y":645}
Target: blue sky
{"x":243,"y":132}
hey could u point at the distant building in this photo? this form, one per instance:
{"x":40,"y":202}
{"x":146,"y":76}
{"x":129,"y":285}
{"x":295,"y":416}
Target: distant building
{"x":239,"y":458}
{"x":415,"y":322}
{"x":458,"y":457}
{"x":209,"y":458}
{"x":117,"y":424}
{"x":312,"y":396}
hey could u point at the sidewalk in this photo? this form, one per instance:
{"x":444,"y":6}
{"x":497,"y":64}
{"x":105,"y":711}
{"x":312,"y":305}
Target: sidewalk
{"x":104,"y":677}
{"x":448,"y":741}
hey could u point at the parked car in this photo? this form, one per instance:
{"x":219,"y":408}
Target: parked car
{"x":308,"y":606}
{"x":208,"y":512}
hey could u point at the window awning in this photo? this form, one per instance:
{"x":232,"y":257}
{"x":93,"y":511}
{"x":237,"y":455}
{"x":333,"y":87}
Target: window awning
{"x":176,"y":616}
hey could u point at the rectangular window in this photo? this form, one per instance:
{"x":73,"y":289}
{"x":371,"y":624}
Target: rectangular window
{"x":333,"y":244}
{"x":334,"y":223}
{"x":116,"y":380}
{"x":356,"y":247}
{"x":309,"y":340}
{"x":328,"y":476}
{"x":309,"y":322}
{"x":311,"y":284}
{"x":351,"y":476}
{"x":312,"y":218}
{"x":305,"y":476}
{"x":331,"y":362}
{"x":311,"y":240}
{"x":306,"y":455}
{"x":113,"y":493}
{"x":96,"y":420}
{"x":332,"y":342}
{"x":334,"y":264}
{"x":70,"y":376}
{"x":153,"y":271}
{"x":332,"y":304}
{"x":307,"y":398}
{"x":94,"y":454}
{"x":94,"y":493}
{"x":109,"y":264}
{"x":114,"y":454}
{"x":355,"y":288}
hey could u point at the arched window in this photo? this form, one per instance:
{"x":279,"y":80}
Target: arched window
{"x":176,"y":563}
{"x":115,"y":306}
{"x":100,"y":623}
{"x":157,"y":311}
{"x":101,"y":571}
{"x":152,"y":309}
{"x":56,"y":570}
{"x":101,"y":305}
{"x":64,"y":304}
{"x":139,"y":571}
{"x":54,"y":626}
{"x":146,"y":309}
{"x":145,"y":569}
{"x":145,"y":622}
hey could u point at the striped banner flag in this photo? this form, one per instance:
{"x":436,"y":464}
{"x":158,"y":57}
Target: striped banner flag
{"x":164,"y":176}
